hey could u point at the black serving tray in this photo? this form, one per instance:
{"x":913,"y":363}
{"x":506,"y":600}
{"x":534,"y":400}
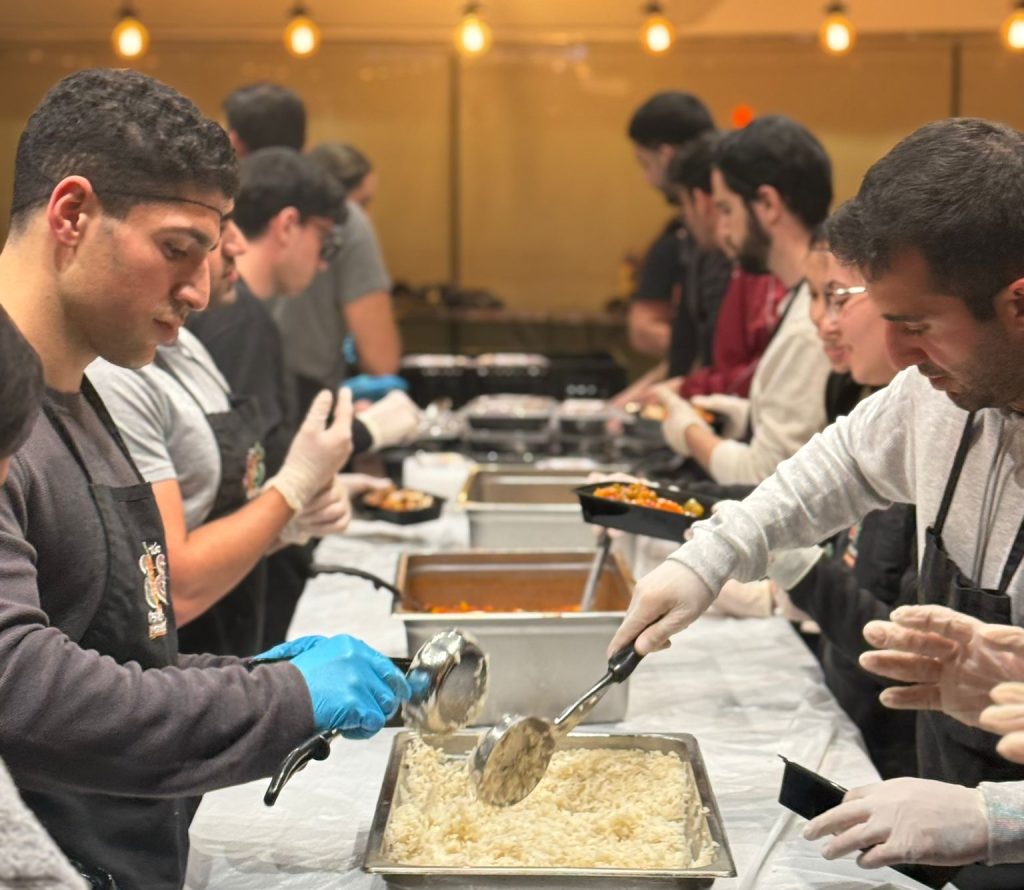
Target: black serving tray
{"x":809,"y":795}
{"x":641,"y":520}
{"x":399,"y":517}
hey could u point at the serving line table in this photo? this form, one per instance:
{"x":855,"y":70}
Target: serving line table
{"x":748,"y":690}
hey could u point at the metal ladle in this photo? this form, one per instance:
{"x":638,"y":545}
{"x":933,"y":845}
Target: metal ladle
{"x":448,"y":680}
{"x":511,"y":758}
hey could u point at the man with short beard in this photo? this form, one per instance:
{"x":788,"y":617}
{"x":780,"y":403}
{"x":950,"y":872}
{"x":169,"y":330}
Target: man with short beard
{"x":937,"y":232}
{"x":772,"y":186}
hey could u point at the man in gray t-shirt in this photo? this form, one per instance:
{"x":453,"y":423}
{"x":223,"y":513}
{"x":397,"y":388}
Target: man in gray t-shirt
{"x":351,"y":297}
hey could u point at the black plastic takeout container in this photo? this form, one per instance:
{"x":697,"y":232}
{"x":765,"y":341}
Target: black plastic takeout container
{"x":642,"y":520}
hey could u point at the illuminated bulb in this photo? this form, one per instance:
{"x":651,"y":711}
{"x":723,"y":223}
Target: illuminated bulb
{"x":836,"y":33}
{"x":658,"y":33}
{"x":129,"y":37}
{"x":473,"y":35}
{"x":1013,"y":30}
{"x":301,"y":35}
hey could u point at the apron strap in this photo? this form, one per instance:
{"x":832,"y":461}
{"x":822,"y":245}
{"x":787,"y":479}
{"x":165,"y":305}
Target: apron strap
{"x":1013,"y":560}
{"x":954,"y":475}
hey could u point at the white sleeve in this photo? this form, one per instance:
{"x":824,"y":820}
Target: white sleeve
{"x":142,"y":414}
{"x":863,"y":462}
{"x":788,"y":410}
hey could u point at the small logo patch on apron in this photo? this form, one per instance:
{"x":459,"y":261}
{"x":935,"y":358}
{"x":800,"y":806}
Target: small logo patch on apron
{"x":255,"y":470}
{"x":153,"y":565}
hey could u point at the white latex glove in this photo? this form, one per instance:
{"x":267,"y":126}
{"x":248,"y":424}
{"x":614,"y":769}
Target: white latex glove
{"x":665,"y":601}
{"x":317,"y":452}
{"x":752,"y":599}
{"x":330,"y":512}
{"x":952,"y":659}
{"x":735,"y":413}
{"x":391,"y":420}
{"x":906,"y":821}
{"x":680,"y":417}
{"x":1005,"y":717}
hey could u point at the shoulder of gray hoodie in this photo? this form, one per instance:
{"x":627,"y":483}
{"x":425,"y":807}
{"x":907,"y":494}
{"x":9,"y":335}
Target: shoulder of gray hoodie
{"x":28,"y":855}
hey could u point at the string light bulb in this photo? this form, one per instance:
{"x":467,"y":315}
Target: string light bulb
{"x":130,"y":38}
{"x":1013,"y":29}
{"x":301,"y":34}
{"x":473,"y":35}
{"x":836,"y":33}
{"x":657,"y":34}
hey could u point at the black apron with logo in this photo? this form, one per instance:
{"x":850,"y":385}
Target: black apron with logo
{"x":948,"y":750}
{"x":142,"y":842}
{"x":234,"y":624}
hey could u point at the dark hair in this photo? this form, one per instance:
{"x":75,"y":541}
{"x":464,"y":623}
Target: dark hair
{"x":777,"y":151}
{"x":953,"y":192}
{"x":690,"y":167}
{"x":276,"y":178}
{"x":266,"y":115}
{"x":671,"y":118}
{"x":21,"y":386}
{"x":128,"y":134}
{"x":346,"y":163}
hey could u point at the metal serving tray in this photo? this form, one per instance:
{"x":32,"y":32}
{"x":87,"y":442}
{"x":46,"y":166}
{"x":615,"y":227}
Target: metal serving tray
{"x":516,"y":506}
{"x":378,"y":861}
{"x":540,"y":657}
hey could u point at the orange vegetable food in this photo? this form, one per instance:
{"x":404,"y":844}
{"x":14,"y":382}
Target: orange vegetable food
{"x":640,"y":495}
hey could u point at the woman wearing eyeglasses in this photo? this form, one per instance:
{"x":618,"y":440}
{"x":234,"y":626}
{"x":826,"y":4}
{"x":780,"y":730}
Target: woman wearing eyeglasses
{"x":870,"y":568}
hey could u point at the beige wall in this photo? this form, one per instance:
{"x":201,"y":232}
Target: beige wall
{"x":550,"y":199}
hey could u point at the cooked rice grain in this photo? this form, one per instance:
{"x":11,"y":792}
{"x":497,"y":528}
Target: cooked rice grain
{"x":595,"y":808}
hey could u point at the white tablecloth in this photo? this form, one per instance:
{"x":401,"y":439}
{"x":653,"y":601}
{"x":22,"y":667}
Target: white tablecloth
{"x":748,"y":690}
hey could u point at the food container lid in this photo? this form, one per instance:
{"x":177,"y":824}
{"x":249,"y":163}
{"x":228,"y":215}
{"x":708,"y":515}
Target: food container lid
{"x":512,"y":360}
{"x":510,"y":405}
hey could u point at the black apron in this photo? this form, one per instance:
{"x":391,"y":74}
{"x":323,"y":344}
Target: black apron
{"x":234,"y":624}
{"x":141,"y":842}
{"x":948,"y":750}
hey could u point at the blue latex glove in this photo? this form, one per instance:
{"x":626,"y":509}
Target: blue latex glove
{"x":289,"y":649}
{"x":353,"y":687}
{"x":374,"y":386}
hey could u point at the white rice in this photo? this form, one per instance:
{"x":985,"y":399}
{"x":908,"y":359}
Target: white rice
{"x":595,"y":808}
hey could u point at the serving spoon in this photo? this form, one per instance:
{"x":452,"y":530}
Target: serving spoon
{"x":511,"y":758}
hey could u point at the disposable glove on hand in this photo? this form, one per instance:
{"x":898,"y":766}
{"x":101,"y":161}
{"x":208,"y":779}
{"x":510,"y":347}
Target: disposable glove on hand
{"x":317,"y":452}
{"x":392,"y":420}
{"x":906,"y":821}
{"x":288,"y":649}
{"x":952,"y":659}
{"x":329,"y":513}
{"x":681,"y":415}
{"x":665,"y":600}
{"x":752,"y":599}
{"x":735,"y":413}
{"x":1005,"y":717}
{"x":353,"y":687}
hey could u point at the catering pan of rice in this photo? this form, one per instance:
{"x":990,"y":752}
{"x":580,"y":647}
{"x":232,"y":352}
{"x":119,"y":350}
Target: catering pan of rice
{"x":614,"y":809}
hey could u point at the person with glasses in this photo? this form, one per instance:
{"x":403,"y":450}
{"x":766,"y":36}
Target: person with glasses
{"x":772,"y":186}
{"x":120,"y":189}
{"x":868,"y":569}
{"x":937,"y":233}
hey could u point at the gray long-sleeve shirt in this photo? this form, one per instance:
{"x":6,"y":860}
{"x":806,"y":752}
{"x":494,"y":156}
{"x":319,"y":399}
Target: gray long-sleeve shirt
{"x":75,"y":722}
{"x":897,"y":446}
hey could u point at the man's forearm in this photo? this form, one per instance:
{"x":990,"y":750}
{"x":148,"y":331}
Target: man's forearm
{"x":215,"y":557}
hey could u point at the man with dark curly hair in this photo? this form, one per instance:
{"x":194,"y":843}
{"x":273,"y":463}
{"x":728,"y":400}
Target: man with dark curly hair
{"x":120,"y":193}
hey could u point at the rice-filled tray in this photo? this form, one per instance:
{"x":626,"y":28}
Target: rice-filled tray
{"x":613,"y":809}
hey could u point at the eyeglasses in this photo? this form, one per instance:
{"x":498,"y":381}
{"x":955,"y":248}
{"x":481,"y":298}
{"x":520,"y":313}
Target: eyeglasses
{"x":331,"y":241}
{"x":837,"y":297}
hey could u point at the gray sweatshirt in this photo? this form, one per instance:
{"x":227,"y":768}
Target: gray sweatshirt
{"x":28,"y":856}
{"x":897,"y":446}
